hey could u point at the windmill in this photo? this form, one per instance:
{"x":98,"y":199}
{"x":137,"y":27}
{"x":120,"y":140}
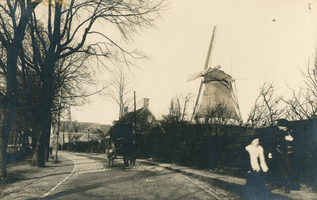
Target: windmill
{"x":215,"y":89}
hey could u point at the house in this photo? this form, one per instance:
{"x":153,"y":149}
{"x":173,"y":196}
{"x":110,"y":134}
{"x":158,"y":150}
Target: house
{"x":143,"y":117}
{"x":125,"y":129}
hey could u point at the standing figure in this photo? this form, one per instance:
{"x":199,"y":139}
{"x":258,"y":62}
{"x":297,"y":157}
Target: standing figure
{"x":111,"y":156}
{"x":284,"y":148}
{"x":255,"y":171}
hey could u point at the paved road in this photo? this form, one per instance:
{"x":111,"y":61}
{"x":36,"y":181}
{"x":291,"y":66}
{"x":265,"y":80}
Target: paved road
{"x":92,"y":178}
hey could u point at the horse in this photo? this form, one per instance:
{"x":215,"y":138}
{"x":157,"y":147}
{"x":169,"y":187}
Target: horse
{"x":129,"y":155}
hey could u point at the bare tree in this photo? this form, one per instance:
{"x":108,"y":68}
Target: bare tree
{"x":121,"y":89}
{"x":178,"y":108}
{"x":14,"y":16}
{"x":256,"y":114}
{"x":267,"y":108}
{"x":220,"y":114}
{"x":66,"y":32}
{"x":70,"y":84}
{"x":303,"y":104}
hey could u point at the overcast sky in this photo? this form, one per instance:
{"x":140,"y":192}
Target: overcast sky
{"x":256,"y":41}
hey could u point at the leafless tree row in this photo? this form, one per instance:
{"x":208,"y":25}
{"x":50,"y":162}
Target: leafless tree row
{"x":301,"y":105}
{"x":44,"y":63}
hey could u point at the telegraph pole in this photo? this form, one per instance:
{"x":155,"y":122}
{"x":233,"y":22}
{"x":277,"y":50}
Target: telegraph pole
{"x":88,"y":142}
{"x":134,"y":147}
{"x":134,"y":113}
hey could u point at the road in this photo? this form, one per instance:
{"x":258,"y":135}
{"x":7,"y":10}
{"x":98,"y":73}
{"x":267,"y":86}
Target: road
{"x":92,"y":178}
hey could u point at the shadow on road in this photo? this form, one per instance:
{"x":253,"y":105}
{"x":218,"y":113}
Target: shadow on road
{"x":108,"y":181}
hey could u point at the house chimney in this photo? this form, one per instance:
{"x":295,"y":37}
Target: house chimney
{"x":125,"y":111}
{"x":146,"y":102}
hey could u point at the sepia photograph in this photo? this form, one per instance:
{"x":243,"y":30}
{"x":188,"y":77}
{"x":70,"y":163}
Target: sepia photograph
{"x":158,"y":99}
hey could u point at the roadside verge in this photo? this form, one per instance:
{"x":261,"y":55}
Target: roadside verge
{"x":28,"y":182}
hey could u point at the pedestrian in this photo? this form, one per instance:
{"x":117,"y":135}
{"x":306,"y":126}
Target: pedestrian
{"x":285,"y":163}
{"x":255,"y":170}
{"x":111,"y":156}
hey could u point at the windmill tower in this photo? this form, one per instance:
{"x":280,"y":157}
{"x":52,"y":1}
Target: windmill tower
{"x":215,"y":92}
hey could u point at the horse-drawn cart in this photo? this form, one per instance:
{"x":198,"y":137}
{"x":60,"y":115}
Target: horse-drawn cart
{"x":122,"y":143}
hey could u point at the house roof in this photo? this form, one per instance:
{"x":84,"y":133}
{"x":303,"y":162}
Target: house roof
{"x":105,"y":128}
{"x":82,"y":127}
{"x":128,"y":118}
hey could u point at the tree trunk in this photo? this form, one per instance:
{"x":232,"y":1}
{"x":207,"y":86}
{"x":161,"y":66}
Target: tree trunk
{"x":3,"y":154}
{"x":47,"y":148}
{"x":35,"y":159}
{"x":48,"y":139}
{"x":23,"y":136}
{"x":44,"y":120}
{"x":41,"y":149}
{"x":39,"y":139}
{"x":8,"y":108}
{"x":38,"y":153}
{"x":56,"y":148}
{"x":47,"y":152}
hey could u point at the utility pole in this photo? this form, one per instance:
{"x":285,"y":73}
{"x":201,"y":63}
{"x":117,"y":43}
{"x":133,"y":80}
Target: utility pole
{"x":70,"y":120}
{"x":63,"y":136}
{"x":88,"y":142}
{"x":134,"y":113}
{"x":134,"y":147}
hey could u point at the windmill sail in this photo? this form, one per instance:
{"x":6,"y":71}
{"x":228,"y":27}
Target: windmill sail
{"x":218,"y":100}
{"x":207,"y":63}
{"x":192,"y":77}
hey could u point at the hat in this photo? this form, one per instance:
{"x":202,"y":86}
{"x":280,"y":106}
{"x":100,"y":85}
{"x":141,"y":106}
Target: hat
{"x":282,"y":128}
{"x":252,"y":137}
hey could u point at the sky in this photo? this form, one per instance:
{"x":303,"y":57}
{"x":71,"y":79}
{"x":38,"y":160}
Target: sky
{"x":255,"y":42}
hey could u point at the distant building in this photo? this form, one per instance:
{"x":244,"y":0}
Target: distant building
{"x":74,"y":131}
